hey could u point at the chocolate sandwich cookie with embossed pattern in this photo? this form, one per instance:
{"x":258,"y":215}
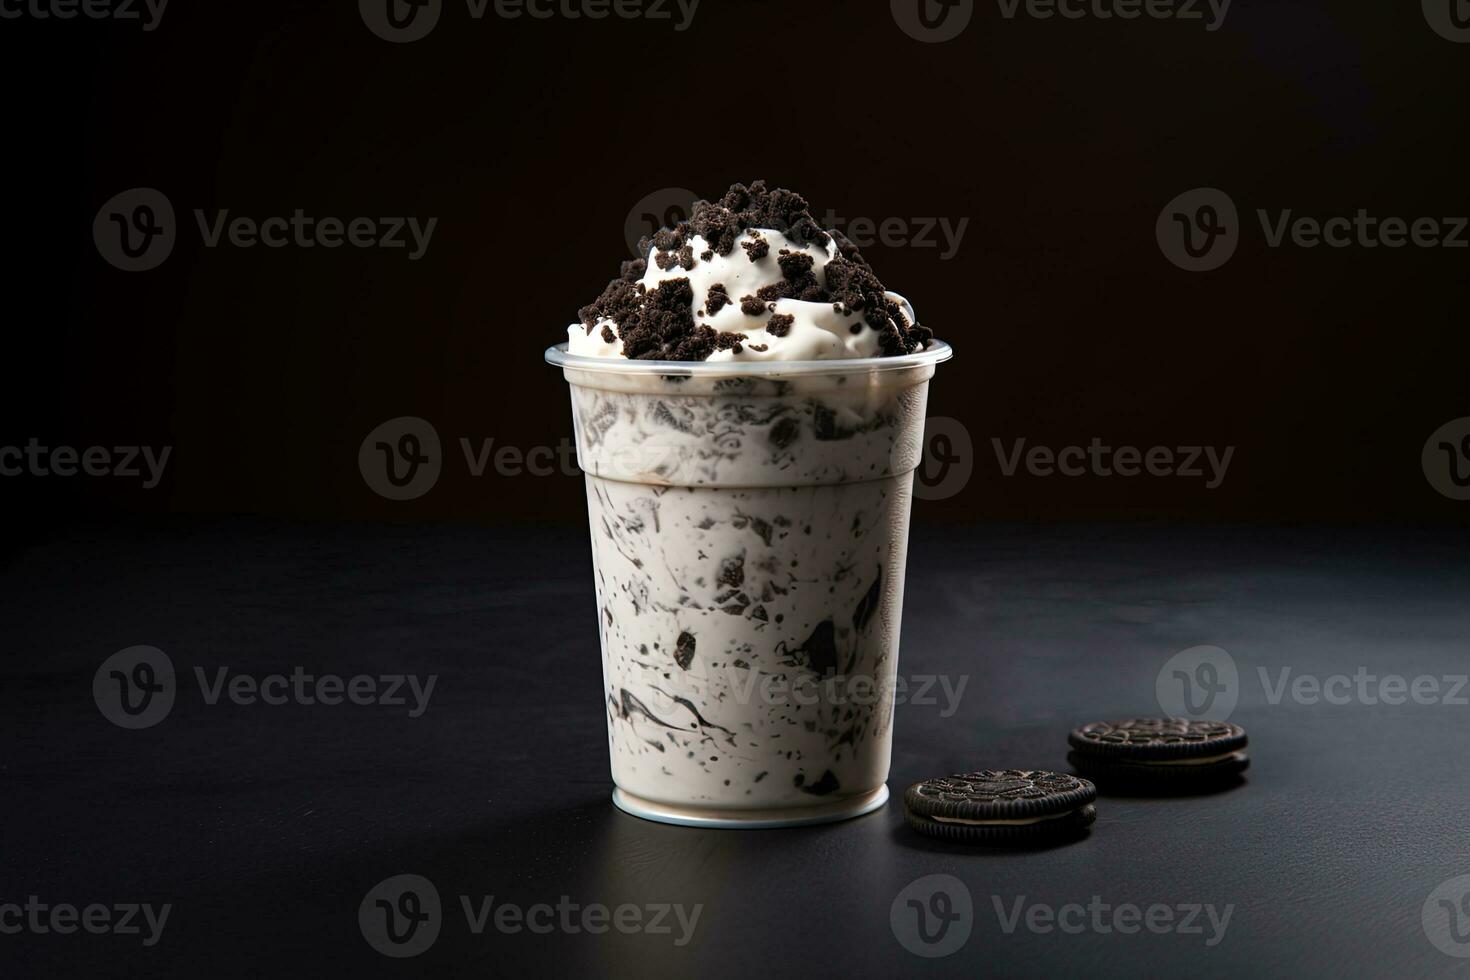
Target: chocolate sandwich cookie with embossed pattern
{"x":1000,"y":806}
{"x":1158,"y":750}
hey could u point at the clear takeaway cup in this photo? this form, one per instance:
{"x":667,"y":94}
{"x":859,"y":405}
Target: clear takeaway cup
{"x":749,"y":528}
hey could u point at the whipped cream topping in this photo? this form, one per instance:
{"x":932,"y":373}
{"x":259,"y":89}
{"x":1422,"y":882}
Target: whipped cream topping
{"x":816,"y":331}
{"x":750,"y":277}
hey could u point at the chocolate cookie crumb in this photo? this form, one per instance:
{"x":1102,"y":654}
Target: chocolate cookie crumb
{"x":759,"y":347}
{"x":729,"y":341}
{"x":661,"y":326}
{"x":669,"y":239}
{"x":608,"y":336}
{"x":779,"y":325}
{"x":758,"y":248}
{"x":751,"y":306}
{"x":684,"y":648}
{"x":718,"y":299}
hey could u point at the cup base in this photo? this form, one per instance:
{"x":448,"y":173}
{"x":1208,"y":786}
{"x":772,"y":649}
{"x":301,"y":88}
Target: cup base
{"x":684,"y":816}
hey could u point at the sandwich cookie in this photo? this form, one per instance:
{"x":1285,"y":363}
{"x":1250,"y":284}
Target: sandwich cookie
{"x":1000,"y":806}
{"x":1158,"y":751}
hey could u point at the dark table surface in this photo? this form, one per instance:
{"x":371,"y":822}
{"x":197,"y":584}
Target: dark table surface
{"x":264,"y":827}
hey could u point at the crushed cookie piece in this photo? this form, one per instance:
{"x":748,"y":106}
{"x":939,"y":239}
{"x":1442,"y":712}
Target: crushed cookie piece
{"x":669,"y":239}
{"x":726,"y":340}
{"x":718,"y":299}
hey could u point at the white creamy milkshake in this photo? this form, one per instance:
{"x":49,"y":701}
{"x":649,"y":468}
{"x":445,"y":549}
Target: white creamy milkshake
{"x":749,"y":476}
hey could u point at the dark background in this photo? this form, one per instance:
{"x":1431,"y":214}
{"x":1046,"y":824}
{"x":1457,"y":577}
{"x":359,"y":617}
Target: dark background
{"x":531,"y":140}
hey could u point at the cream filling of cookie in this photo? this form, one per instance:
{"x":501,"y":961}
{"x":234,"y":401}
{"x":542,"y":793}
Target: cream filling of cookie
{"x":1004,"y":823}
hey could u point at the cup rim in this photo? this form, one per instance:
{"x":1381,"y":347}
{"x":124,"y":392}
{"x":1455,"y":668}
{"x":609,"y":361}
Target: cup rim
{"x":936,"y":353}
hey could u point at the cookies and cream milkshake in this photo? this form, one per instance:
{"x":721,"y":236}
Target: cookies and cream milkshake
{"x":749,"y":409}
